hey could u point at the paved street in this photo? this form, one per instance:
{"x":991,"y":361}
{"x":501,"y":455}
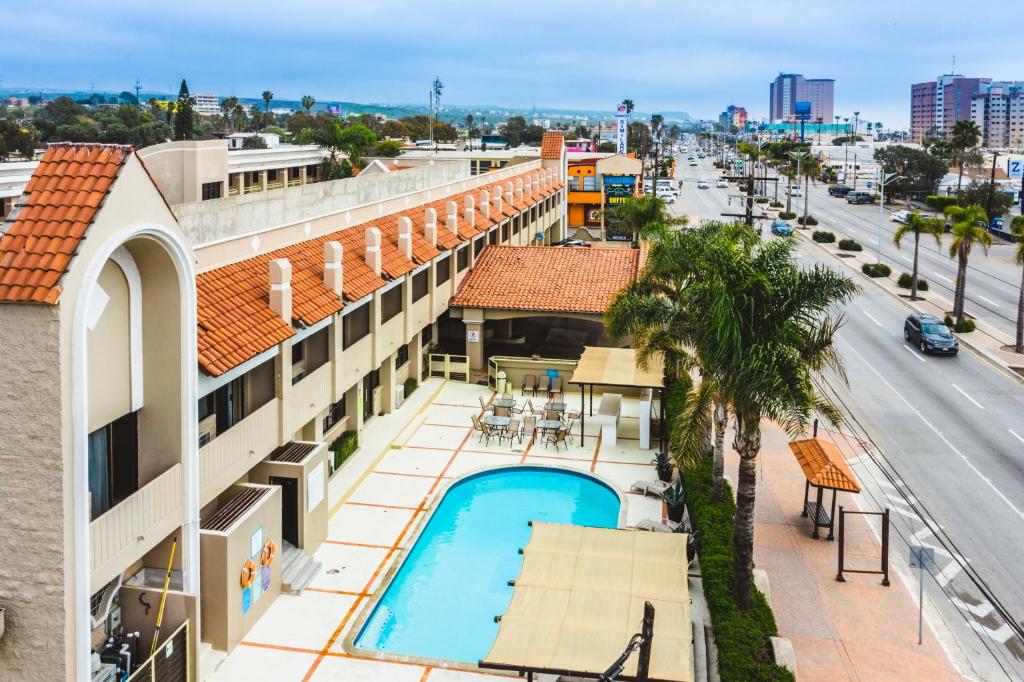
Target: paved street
{"x":951,"y":444}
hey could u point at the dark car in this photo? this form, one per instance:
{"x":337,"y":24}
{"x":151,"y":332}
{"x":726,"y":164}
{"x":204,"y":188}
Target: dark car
{"x":859,"y":198}
{"x":930,"y":334}
{"x":839,"y":190}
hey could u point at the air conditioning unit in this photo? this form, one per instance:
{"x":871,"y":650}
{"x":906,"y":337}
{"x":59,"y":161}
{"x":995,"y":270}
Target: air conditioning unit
{"x":399,"y":395}
{"x":207,"y":429}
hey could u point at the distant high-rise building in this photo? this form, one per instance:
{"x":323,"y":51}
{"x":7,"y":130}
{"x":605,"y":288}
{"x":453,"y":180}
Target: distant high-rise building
{"x":733,"y":116}
{"x":998,"y":110}
{"x":936,"y":105}
{"x":206,"y":105}
{"x":789,"y":88}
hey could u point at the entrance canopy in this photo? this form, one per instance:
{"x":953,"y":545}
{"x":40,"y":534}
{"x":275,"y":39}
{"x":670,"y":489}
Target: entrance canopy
{"x":617,"y":367}
{"x":580,"y":598}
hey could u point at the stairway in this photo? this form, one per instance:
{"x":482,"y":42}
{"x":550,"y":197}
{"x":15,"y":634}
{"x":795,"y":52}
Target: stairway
{"x":297,"y":569}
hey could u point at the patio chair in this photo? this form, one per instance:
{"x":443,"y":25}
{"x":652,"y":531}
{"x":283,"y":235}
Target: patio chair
{"x":530,"y":427}
{"x":543,"y":381}
{"x":553,"y":415}
{"x":488,"y":432}
{"x":529,"y":406}
{"x":530,"y":384}
{"x":556,"y":386}
{"x":514,"y":430}
{"x":556,"y":439}
{"x":483,"y":406}
{"x":571,"y":417}
{"x":656,"y":488}
{"x":502,"y":411}
{"x":518,"y":409}
{"x":477,"y":424}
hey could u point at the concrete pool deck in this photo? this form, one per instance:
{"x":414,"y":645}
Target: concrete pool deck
{"x":377,"y":499}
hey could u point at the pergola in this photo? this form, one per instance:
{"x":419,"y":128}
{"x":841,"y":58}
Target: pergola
{"x":579,"y":602}
{"x":618,"y":367}
{"x":826,"y":469}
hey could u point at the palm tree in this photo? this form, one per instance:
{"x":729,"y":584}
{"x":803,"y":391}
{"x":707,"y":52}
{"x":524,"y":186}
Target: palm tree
{"x":788,"y":172}
{"x":771,"y":332}
{"x":629,"y":106}
{"x":227,"y":108}
{"x":268,"y":96}
{"x":307,"y":102}
{"x":968,"y":230}
{"x":1017,"y":228}
{"x":641,"y":215}
{"x":918,"y":225}
{"x":809,"y":168}
{"x":964,"y":138}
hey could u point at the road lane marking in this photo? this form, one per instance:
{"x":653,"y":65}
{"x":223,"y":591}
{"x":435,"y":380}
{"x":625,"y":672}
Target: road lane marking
{"x":1015,"y":435}
{"x":913,"y":352}
{"x":989,"y":301}
{"x":870,"y":317}
{"x":905,"y":259}
{"x":964,"y":394}
{"x":947,"y":279}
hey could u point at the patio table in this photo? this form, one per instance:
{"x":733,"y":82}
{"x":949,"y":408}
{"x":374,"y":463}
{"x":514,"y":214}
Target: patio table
{"x":549,"y":424}
{"x":504,"y":402}
{"x":554,"y":407}
{"x":497,"y":422}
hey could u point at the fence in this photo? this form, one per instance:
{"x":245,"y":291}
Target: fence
{"x":170,"y":663}
{"x":516,"y":368}
{"x":455,"y":367}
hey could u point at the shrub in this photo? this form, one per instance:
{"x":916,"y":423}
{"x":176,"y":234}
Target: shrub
{"x":876,"y":269}
{"x":343,"y":446}
{"x":850,"y":245}
{"x":938,"y":202}
{"x":776,"y":204}
{"x":823,"y":237}
{"x":761,"y":200}
{"x":811,"y":220}
{"x":410,"y":386}
{"x":787,"y":215}
{"x":906,"y":279}
{"x":948,"y":321}
{"x":964,"y":327}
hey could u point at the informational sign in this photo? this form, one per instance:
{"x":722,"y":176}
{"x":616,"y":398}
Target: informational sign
{"x":315,"y":487}
{"x":266,"y":579}
{"x":1015,"y":168}
{"x":256,"y":543}
{"x":622,"y":119}
{"x":617,"y":194}
{"x":246,"y":600}
{"x":870,"y":184}
{"x":473,"y":335}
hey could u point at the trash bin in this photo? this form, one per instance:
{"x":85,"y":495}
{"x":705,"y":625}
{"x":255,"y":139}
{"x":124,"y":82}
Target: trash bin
{"x":502,"y":380}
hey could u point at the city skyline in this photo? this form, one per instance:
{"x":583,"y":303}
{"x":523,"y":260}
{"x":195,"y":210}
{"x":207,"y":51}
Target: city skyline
{"x":357,"y":56}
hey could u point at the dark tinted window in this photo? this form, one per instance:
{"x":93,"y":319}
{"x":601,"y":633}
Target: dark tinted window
{"x":463,"y":258}
{"x":391,"y":302}
{"x":356,"y":325}
{"x":420,"y":285}
{"x":444,"y":270}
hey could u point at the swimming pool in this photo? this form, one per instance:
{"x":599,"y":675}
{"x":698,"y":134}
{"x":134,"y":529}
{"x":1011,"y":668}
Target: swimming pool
{"x":442,"y":601}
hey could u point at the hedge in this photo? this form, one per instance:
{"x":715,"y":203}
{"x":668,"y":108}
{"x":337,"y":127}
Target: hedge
{"x":811,"y":220}
{"x":776,"y":204}
{"x":343,"y":446}
{"x":876,"y":269}
{"x":850,"y":245}
{"x":906,"y":279}
{"x":744,"y":652}
{"x":410,"y":386}
{"x":823,"y":237}
{"x":939,"y":202}
{"x":962,"y":328}
{"x":786,"y":215}
{"x":761,"y":200}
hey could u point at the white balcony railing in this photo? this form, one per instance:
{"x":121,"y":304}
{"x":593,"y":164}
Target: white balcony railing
{"x":227,"y":457}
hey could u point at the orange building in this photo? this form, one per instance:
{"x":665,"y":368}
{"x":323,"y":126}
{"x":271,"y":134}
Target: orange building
{"x":596,"y":182}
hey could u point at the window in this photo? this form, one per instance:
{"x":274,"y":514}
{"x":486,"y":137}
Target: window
{"x":401,"y":355}
{"x":492,"y":237}
{"x":426,"y":335}
{"x":420,"y":285}
{"x":335,"y":413}
{"x":212,"y":190}
{"x":516,"y":225}
{"x":443,"y":270}
{"x":355,"y":325}
{"x":392,"y":302}
{"x":462,"y":256}
{"x":478,"y":246}
{"x":236,"y":400}
{"x":504,"y":232}
{"x":113,"y":463}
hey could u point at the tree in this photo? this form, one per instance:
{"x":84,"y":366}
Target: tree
{"x":920,"y":171}
{"x":639,"y":139}
{"x":639,"y":215}
{"x":254,"y":142}
{"x":809,"y":168}
{"x":1017,"y":228}
{"x":184,"y":115}
{"x":978,"y":193}
{"x":394,"y":129}
{"x":354,"y":141}
{"x":268,"y":97}
{"x":388,"y":149}
{"x":918,"y":225}
{"x":513,"y":131}
{"x":968,"y":229}
{"x":964,"y":137}
{"x":771,"y":333}
{"x":227,"y":109}
{"x":307,"y":102}
{"x":629,"y":106}
{"x":16,"y":140}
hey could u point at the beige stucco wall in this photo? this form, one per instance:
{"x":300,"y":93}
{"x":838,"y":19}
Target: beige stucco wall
{"x":35,"y":557}
{"x":181,"y":167}
{"x":312,"y":522}
{"x":109,"y":352}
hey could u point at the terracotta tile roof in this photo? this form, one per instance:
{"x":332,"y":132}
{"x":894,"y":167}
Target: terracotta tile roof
{"x":549,"y":278}
{"x":552,"y":144}
{"x":61,"y":200}
{"x":824,"y":465}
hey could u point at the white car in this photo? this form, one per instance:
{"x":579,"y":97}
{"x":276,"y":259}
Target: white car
{"x":722,"y":183}
{"x":794,"y":191}
{"x":693,"y":163}
{"x":703,"y":184}
{"x":899,"y":216}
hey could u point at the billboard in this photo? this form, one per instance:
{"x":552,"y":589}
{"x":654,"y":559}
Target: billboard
{"x":802,"y":111}
{"x":622,"y":121}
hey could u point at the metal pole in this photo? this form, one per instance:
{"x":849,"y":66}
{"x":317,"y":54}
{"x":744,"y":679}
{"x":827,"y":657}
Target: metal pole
{"x":885,"y":547}
{"x":881,"y":213}
{"x":643,"y":663}
{"x":920,"y":602}
{"x":842,"y":535}
{"x":854,"y":172}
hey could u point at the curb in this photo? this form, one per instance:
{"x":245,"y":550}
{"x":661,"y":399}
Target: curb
{"x":982,"y":353}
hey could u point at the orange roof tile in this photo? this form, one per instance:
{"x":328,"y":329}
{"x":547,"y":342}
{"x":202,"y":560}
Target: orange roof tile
{"x":823,"y":464}
{"x":61,"y":200}
{"x":552,"y":144}
{"x":549,"y":278}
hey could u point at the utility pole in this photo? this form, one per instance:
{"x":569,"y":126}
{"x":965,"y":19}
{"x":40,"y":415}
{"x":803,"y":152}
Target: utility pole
{"x":138,"y":89}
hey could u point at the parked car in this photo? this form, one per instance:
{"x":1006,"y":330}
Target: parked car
{"x":794,"y":190}
{"x":899,"y":216}
{"x":701,"y":155}
{"x":703,"y":184}
{"x":781,"y":228}
{"x":839,"y":190}
{"x":722,"y":183}
{"x":859,"y":198}
{"x":930,"y":334}
{"x":667,"y":197}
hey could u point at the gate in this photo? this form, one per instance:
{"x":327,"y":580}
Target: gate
{"x":171,"y":661}
{"x":454,"y":367}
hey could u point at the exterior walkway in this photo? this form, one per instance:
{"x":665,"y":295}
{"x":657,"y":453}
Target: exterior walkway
{"x":378,"y":499}
{"x":857,"y":630}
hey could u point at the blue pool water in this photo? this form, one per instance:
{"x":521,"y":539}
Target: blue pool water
{"x":442,"y":602}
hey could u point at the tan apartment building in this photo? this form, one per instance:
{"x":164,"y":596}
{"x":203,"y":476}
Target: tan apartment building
{"x":176,"y":368}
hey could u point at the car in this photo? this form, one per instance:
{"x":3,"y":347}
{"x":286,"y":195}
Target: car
{"x":619,"y":238}
{"x":859,"y":198}
{"x":703,"y":184}
{"x":899,"y":216}
{"x":781,"y":228}
{"x":667,"y":197}
{"x":721,"y":183}
{"x":693,"y":164}
{"x":929,"y":334}
{"x":690,"y":157}
{"x":571,"y":242}
{"x":794,"y":190}
{"x":839,"y":190}
{"x":701,"y":155}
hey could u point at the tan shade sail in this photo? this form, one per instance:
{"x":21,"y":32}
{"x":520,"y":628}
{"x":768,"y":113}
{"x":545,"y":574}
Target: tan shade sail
{"x":617,"y":367}
{"x":580,"y":597}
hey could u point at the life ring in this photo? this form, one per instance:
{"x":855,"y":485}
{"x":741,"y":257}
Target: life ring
{"x":268,"y":553}
{"x":248,"y":573}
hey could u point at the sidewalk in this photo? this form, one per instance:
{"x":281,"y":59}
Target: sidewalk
{"x":857,"y":630}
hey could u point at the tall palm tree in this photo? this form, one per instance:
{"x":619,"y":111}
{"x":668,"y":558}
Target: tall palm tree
{"x":964,"y":139}
{"x":918,"y":225}
{"x":788,"y":172}
{"x":1017,"y":228}
{"x":307,"y":102}
{"x":227,"y":108}
{"x":268,"y":96}
{"x":809,"y":168}
{"x":968,"y":230}
{"x":629,"y":106}
{"x":772,"y":329}
{"x":640,"y":215}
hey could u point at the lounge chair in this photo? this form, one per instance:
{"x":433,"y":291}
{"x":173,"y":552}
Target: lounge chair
{"x":530,"y":384}
{"x":656,"y":488}
{"x":543,"y":381}
{"x":667,"y":526}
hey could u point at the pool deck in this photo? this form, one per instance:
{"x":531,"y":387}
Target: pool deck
{"x":378,"y":499}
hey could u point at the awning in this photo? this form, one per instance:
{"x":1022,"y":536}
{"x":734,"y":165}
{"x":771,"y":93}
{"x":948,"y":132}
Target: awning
{"x":617,"y":367}
{"x":580,"y":597}
{"x":823,"y":465}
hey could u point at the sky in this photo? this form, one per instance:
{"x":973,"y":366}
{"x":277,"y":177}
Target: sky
{"x":677,"y":55}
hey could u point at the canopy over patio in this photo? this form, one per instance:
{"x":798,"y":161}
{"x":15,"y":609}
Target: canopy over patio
{"x":579,"y":600}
